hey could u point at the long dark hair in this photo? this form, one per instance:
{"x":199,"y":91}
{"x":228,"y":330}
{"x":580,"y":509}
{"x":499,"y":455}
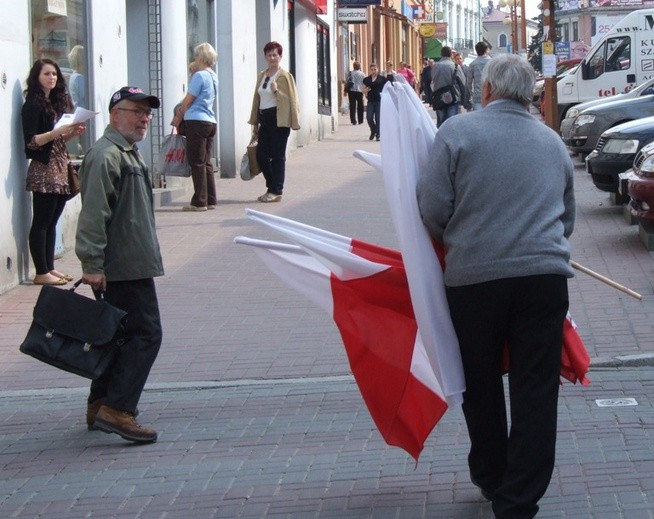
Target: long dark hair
{"x":59,"y":100}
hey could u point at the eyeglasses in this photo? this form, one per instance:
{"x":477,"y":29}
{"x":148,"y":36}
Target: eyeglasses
{"x":265,"y":82}
{"x":139,"y":113}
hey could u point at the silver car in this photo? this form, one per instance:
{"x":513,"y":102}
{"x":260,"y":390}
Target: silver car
{"x":570,"y":126}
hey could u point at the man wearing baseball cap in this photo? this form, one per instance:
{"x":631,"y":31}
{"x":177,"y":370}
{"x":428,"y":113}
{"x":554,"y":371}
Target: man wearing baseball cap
{"x":117,"y":245}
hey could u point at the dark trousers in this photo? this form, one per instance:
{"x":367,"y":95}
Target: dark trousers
{"x":271,"y":150}
{"x":527,"y":314}
{"x":372,"y":115}
{"x":199,"y":141}
{"x":356,"y":107}
{"x":426,"y":90}
{"x":121,"y":386}
{"x":46,"y":210}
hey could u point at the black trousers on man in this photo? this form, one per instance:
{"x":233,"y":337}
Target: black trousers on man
{"x":356,"y":106}
{"x":526,"y":314}
{"x":121,"y":386}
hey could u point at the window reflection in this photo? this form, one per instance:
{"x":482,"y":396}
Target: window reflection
{"x":59,"y":33}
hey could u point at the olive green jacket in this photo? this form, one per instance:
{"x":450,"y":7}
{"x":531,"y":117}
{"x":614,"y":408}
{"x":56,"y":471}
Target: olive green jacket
{"x":116,"y":234}
{"x":288,"y":110}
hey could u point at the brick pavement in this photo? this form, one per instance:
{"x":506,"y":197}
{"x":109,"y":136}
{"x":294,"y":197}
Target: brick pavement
{"x":252,"y":395}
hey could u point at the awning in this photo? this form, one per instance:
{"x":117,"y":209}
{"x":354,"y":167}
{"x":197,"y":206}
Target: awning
{"x":317,"y":6}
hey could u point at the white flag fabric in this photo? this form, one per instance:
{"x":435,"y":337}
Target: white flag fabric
{"x":407,"y":132}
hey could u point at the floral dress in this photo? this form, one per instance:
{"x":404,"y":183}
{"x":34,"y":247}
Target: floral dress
{"x":53,"y":176}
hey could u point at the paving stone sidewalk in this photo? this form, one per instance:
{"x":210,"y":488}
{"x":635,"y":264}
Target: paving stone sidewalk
{"x":306,"y":448}
{"x":252,"y":396}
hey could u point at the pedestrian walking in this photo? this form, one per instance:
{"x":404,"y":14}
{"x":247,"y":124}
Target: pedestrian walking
{"x":507,"y":264}
{"x":373,"y":85}
{"x":444,"y":77}
{"x":355,"y":93}
{"x":425,"y":80}
{"x":407,"y":73}
{"x":275,"y":112}
{"x":119,"y":251}
{"x":462,"y":75}
{"x":475,"y":70}
{"x":197,"y":113}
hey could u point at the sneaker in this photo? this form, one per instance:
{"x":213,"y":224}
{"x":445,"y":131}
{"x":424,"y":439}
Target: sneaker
{"x":91,"y":412}
{"x":269,"y":197}
{"x":372,"y":136}
{"x":211,"y":207}
{"x":194,"y":208}
{"x":124,"y":424}
{"x":377,"y":138}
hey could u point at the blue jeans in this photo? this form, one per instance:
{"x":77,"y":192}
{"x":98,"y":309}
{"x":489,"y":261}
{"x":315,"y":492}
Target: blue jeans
{"x":372,"y":116}
{"x":444,"y":114}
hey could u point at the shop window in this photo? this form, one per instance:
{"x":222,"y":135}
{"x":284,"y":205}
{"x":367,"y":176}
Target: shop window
{"x":59,"y":33}
{"x":324,"y":70}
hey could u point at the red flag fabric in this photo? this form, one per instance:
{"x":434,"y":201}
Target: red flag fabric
{"x":364,"y":288}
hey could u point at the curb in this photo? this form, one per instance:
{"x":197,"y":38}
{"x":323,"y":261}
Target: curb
{"x":624,"y":361}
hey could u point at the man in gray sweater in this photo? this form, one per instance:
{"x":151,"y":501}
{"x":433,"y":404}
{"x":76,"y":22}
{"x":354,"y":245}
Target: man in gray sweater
{"x":473,"y":78}
{"x":498,"y":193}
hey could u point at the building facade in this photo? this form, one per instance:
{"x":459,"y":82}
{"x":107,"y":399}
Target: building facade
{"x":102,"y":46}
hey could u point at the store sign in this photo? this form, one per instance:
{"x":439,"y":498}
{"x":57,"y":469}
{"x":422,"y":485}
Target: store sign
{"x":353,"y":14}
{"x":441,"y":30}
{"x":57,"y":7}
{"x":351,"y":3}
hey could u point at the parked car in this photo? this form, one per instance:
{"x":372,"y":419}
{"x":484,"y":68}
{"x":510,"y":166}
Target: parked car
{"x":562,"y":67}
{"x":616,"y":150}
{"x":589,"y":125}
{"x":640,"y":183}
{"x":565,"y":129}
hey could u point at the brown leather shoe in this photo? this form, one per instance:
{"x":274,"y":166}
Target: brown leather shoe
{"x":112,"y":420}
{"x":91,"y":412}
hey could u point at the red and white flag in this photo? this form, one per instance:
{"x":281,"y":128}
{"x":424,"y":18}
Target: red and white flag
{"x":364,"y":288}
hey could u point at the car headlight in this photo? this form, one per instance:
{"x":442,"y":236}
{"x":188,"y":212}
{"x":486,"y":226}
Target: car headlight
{"x":573,"y":112}
{"x":584,"y":119}
{"x":647,"y":167}
{"x":621,"y":146}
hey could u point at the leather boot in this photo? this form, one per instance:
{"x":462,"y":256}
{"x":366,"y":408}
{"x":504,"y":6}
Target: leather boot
{"x":92,"y":409}
{"x":124,"y":424}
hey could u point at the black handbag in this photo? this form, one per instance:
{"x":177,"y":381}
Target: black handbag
{"x":73,"y":332}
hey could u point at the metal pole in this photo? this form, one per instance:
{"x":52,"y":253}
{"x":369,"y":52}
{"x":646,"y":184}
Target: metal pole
{"x":551,"y":99}
{"x":523,"y":23}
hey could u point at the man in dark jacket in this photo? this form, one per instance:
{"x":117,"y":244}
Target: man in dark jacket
{"x":372,"y":86}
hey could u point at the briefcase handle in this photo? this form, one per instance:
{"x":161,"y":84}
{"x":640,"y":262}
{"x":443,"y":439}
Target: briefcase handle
{"x":99,"y":294}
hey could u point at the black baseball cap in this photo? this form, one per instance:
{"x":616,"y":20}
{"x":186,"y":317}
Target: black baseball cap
{"x":133,"y":94}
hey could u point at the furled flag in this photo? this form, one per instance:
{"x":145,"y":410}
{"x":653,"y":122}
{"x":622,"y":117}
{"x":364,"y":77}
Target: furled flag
{"x":364,"y":288}
{"x":407,"y":132}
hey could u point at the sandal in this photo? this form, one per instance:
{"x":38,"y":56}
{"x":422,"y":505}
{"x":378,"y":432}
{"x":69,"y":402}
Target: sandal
{"x":56,"y":281}
{"x":58,"y":274}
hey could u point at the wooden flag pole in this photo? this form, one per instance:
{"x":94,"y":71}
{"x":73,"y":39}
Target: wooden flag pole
{"x":606,"y":280}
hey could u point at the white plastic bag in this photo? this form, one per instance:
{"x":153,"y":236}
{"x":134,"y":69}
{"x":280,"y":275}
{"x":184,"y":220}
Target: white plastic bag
{"x":172,"y":157}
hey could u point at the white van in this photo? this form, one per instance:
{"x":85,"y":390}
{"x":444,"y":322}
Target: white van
{"x":618,"y":62}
